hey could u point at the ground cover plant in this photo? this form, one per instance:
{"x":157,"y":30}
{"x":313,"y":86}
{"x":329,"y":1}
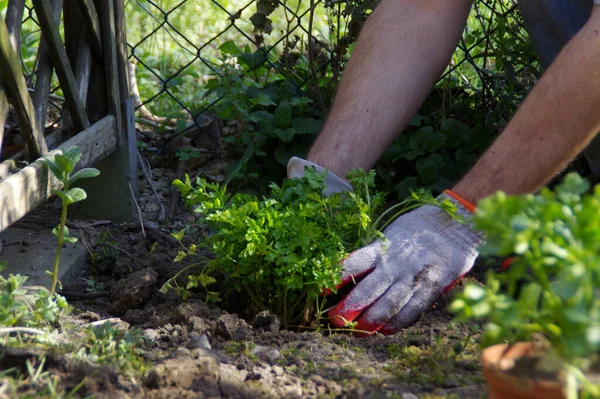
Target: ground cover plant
{"x":285,"y":249}
{"x":551,"y":288}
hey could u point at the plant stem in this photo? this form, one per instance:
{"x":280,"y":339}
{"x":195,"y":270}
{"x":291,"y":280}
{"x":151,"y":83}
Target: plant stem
{"x":61,"y":231}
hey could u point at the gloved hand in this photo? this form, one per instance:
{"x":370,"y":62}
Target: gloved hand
{"x":295,"y":170}
{"x":425,"y":252}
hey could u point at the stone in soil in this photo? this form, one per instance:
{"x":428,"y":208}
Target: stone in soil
{"x":266,"y":321}
{"x":230,"y":326}
{"x":132,"y":291}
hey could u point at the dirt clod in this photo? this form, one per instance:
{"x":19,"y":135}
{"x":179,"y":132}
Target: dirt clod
{"x":132,"y":291}
{"x":267,"y":321}
{"x":199,"y":342}
{"x":230,"y":326}
{"x":266,"y":353}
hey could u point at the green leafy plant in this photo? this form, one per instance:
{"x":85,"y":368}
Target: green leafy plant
{"x":285,"y":248}
{"x":552,"y":287}
{"x":275,"y":119}
{"x":282,"y":250}
{"x":40,"y":310}
{"x":105,"y":344}
{"x":62,"y":166}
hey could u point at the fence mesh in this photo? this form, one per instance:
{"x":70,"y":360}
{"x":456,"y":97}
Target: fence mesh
{"x":178,"y":47}
{"x":175,"y":44}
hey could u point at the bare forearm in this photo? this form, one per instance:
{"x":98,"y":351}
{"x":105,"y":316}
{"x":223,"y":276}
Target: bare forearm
{"x":560,"y":116}
{"x":402,"y":50}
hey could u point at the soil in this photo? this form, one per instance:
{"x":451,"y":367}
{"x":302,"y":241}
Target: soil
{"x":198,"y":350}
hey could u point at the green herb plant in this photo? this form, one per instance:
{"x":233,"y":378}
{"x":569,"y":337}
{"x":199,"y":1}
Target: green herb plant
{"x":62,"y":166}
{"x":552,"y":287}
{"x":40,"y":311}
{"x":286,"y":248}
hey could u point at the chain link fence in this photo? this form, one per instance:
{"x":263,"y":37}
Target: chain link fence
{"x":175,"y":46}
{"x":194,"y":62}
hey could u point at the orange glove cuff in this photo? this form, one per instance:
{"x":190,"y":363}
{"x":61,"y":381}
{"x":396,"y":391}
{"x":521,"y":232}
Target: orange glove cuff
{"x":468,"y":205}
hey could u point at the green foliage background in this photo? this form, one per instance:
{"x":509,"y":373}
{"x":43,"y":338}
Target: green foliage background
{"x":250,"y":61}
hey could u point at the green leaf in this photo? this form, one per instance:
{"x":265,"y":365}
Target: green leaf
{"x":307,"y":125}
{"x":64,"y":163}
{"x":77,"y":194}
{"x":264,"y":100}
{"x":56,"y":170}
{"x":250,"y":151}
{"x":70,"y":239}
{"x":74,"y":155}
{"x":178,"y":235}
{"x":229,"y":48}
{"x":84,"y":173}
{"x":180,"y":256}
{"x":283,"y":115}
{"x":285,"y":134}
{"x":474,"y":292}
{"x":3,"y":265}
{"x":63,"y":196}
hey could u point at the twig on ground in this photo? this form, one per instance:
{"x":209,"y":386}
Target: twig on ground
{"x":112,"y":321}
{"x":84,"y":295}
{"x":119,"y":249}
{"x":10,"y":330}
{"x":138,"y":209}
{"x":161,"y":212}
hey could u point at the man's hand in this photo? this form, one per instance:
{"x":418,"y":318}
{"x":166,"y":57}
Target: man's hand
{"x":425,"y":252}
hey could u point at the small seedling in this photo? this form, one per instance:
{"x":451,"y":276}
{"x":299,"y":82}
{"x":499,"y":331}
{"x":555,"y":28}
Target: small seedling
{"x":62,"y":165}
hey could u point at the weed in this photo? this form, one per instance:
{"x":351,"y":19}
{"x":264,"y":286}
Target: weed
{"x":107,"y":345}
{"x":62,"y":165}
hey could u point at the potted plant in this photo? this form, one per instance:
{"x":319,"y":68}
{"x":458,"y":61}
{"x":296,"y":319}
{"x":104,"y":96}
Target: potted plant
{"x":542,"y":314}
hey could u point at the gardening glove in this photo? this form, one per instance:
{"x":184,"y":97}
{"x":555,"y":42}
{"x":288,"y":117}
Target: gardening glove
{"x":333,"y":184}
{"x":425,"y":253}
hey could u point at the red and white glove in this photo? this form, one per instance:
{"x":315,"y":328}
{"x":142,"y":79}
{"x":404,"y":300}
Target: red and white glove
{"x":425,"y":253}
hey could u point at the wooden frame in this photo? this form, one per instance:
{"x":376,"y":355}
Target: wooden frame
{"x":93,"y":29}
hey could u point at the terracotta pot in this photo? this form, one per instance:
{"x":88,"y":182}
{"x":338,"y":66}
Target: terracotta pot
{"x":502,"y":385}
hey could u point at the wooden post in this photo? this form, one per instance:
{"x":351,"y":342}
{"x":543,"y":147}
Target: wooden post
{"x":14,"y":16}
{"x":128,"y":108}
{"x":117,"y":172}
{"x":43,"y":77}
{"x":14,"y":84}
{"x":107,"y":18}
{"x":60,"y":59}
{"x":88,"y":9}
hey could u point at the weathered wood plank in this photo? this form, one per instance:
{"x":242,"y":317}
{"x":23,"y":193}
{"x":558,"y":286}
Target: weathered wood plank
{"x":15,"y":86}
{"x":6,"y":168}
{"x":109,"y":36}
{"x":43,"y":77}
{"x":88,"y":9}
{"x":14,"y":16}
{"x":60,"y":60}
{"x":28,"y":188}
{"x":122,"y":62}
{"x":84,"y":67}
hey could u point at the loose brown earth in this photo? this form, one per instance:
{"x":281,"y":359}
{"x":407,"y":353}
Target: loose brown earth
{"x":197,"y":350}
